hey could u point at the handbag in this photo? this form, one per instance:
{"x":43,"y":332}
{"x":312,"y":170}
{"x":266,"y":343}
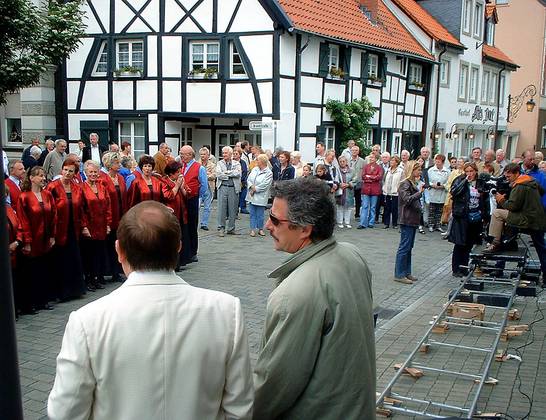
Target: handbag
{"x":446,"y":213}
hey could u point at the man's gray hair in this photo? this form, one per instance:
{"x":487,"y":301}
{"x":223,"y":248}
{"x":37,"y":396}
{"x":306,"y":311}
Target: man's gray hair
{"x":228,"y":148}
{"x":35,"y":151}
{"x":309,"y":204}
{"x":59,"y":141}
{"x":89,"y":163}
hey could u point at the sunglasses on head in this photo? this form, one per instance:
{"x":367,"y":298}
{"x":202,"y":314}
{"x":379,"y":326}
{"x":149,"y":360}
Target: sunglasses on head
{"x":275,"y":220}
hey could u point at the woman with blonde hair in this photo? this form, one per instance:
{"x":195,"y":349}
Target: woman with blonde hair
{"x":409,"y":196}
{"x":391,"y":182}
{"x":295,"y":160}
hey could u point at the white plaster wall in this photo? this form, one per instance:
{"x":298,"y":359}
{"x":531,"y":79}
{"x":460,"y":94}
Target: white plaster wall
{"x":102,"y":7}
{"x":334,"y":91}
{"x":311,"y":90}
{"x":387,"y":115}
{"x":309,"y":119}
{"x":287,"y":95}
{"x":225,"y":11}
{"x":357,"y":90}
{"x":204,"y":97}
{"x":419,"y":104}
{"x":240,"y":98}
{"x":93,"y":26}
{"x":74,"y":123}
{"x":259,"y":49}
{"x":288,"y":55}
{"x":123,"y":15}
{"x":203,"y":14}
{"x":410,"y":104}
{"x":151,"y":14}
{"x":123,"y":95}
{"x":72,"y":89}
{"x":401,"y":89}
{"x":152,"y":56}
{"x":266,"y":96}
{"x":95,"y":95}
{"x":251,"y":16}
{"x":173,"y":13}
{"x":286,"y":130}
{"x":152,"y":149}
{"x":146,"y":94}
{"x":172,"y":56}
{"x":375,"y":118}
{"x":307,"y":148}
{"x":76,"y":61}
{"x":310,"y":57}
{"x":374,"y":95}
{"x":172,"y":96}
{"x":152,"y":128}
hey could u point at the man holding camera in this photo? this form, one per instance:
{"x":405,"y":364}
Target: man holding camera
{"x":521,"y":209}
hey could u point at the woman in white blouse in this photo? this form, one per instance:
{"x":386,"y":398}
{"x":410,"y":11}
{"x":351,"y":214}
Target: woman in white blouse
{"x":390,"y":191}
{"x":259,"y":182}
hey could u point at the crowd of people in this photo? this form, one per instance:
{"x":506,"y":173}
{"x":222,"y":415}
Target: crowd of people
{"x":64,"y":208}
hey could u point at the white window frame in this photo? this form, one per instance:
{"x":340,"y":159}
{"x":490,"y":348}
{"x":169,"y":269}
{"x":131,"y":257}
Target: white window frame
{"x":464,"y":72}
{"x":490,"y":32}
{"x":445,"y":72}
{"x":131,"y":43}
{"x":206,"y":64}
{"x":132,"y":137}
{"x":467,"y":16}
{"x":369,"y":137}
{"x":502,"y":90}
{"x":103,"y":52}
{"x":373,"y":65}
{"x":474,"y":84}
{"x":479,"y":17}
{"x":486,"y":80}
{"x":384,"y":139}
{"x":330,"y":137}
{"x":493,"y":88}
{"x":232,"y":53}
{"x":415,"y":73}
{"x":8,"y":141}
{"x":333,"y":56}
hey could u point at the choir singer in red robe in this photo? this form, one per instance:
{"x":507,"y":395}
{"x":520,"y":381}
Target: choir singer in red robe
{"x":14,"y":241}
{"x":146,"y":186}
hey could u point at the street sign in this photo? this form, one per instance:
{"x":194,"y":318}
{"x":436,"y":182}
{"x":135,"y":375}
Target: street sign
{"x":260,"y":125}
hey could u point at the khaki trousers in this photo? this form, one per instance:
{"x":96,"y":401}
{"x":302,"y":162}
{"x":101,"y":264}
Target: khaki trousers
{"x":498,"y":218}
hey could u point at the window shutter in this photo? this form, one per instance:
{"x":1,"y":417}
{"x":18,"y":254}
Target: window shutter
{"x":323,"y":59}
{"x":346,"y":61}
{"x":364,"y":67}
{"x":321,"y":133}
{"x":383,"y":69}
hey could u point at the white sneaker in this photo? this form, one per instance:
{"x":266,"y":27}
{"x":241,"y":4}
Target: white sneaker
{"x":340,"y":226}
{"x":431,"y":229}
{"x":348,"y":226}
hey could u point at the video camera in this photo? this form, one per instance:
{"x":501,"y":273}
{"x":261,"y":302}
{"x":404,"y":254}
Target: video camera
{"x":493,"y":184}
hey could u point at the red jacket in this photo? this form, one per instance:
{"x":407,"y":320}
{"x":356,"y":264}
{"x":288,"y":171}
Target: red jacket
{"x":372,"y":175}
{"x":97,"y":214}
{"x":139,"y":191}
{"x":13,"y":231}
{"x":14,"y":193}
{"x":63,"y":210}
{"x":37,"y":222}
{"x":176,"y":202}
{"x":118,"y":206}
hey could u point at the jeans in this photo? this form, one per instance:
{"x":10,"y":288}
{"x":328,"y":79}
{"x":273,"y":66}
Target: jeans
{"x":206,"y":201}
{"x":367,"y":213}
{"x":256,"y":216}
{"x":402,"y":267}
{"x":242,"y":198}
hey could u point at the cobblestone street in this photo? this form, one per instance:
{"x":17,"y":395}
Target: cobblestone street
{"x":239,"y":265}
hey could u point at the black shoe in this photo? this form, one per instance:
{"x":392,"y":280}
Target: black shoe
{"x":205,"y":227}
{"x":98,"y":286}
{"x":361,"y":227}
{"x":101,"y":280}
{"x":91,"y":288}
{"x":386,"y":227}
{"x":245,"y":211}
{"x":457,"y":274}
{"x":194,"y":259}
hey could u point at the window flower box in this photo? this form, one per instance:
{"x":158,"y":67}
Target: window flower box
{"x":201,"y":73}
{"x":128,"y":71}
{"x":336,"y":73}
{"x":417,"y":85}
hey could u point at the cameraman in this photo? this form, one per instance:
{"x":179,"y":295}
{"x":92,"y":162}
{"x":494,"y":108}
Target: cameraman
{"x":522,"y":209}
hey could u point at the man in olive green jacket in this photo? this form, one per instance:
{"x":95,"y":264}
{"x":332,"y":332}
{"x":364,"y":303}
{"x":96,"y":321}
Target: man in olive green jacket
{"x":318,"y":356}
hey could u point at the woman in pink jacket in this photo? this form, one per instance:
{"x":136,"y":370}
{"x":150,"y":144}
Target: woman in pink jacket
{"x":372,"y":174}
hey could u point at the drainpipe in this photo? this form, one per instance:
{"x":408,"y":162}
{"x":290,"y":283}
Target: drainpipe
{"x":498,"y":105}
{"x":297,"y":87}
{"x":435,"y":126}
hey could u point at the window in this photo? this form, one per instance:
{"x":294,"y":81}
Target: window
{"x":463,"y":82}
{"x":368,"y":139}
{"x":384,"y":139}
{"x":186,"y":136}
{"x":133,"y":132}
{"x":444,"y":72}
{"x":333,"y":57}
{"x":130,"y":53}
{"x":490,"y":32}
{"x":478,"y":20}
{"x":493,"y":89}
{"x":467,"y":16}
{"x":101,"y":65}
{"x":237,"y":67}
{"x":205,"y":55}
{"x":502,"y":90}
{"x":330,"y":137}
{"x":13,"y":129}
{"x":373,"y":66}
{"x":485,"y":85}
{"x":474,"y":77}
{"x":415,"y":74}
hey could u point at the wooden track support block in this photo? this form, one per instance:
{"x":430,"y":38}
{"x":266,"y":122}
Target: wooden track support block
{"x":466,"y":310}
{"x":413,"y":372}
{"x":440,"y":328}
{"x":500,"y":356}
{"x":383,"y":412}
{"x":488,"y":416}
{"x":513,"y":315}
{"x":488,"y":381}
{"x":424,"y":348}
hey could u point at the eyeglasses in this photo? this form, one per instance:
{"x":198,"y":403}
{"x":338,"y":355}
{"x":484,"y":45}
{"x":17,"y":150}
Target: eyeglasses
{"x":275,"y":220}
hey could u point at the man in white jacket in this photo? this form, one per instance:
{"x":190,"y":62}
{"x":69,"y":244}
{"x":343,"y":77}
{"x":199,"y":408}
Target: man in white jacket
{"x":156,"y":347}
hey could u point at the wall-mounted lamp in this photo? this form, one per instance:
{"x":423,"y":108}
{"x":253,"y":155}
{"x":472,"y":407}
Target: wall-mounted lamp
{"x":435,"y":133}
{"x":453,"y":133}
{"x":469,"y":135}
{"x":491,"y":133}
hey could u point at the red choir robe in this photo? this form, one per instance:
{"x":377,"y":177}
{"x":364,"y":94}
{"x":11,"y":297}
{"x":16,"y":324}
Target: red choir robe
{"x":63,"y":210}
{"x":13,"y":232}
{"x":177,"y":201}
{"x":117,"y":210}
{"x":139,"y":191}
{"x":97,"y":213}
{"x":14,"y":193}
{"x":37,"y":224}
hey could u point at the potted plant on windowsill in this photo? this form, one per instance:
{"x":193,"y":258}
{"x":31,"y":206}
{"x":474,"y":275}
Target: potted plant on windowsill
{"x":336,"y":73}
{"x":201,"y":73}
{"x":128,"y":71}
{"x":417,"y":85}
{"x":375,"y":80}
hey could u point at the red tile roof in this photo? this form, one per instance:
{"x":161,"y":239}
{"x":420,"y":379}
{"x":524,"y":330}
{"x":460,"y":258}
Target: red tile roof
{"x":343,"y":19}
{"x":493,"y":53}
{"x":427,"y":23}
